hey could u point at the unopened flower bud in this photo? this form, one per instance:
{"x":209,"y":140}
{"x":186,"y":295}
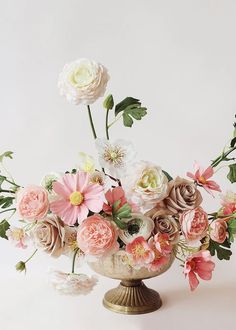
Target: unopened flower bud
{"x":20,"y":266}
{"x":108,"y":102}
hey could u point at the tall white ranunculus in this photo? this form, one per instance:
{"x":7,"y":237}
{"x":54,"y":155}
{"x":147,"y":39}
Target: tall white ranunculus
{"x":83,"y":81}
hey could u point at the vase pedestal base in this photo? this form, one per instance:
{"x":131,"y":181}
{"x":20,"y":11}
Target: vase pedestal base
{"x":132,"y":297}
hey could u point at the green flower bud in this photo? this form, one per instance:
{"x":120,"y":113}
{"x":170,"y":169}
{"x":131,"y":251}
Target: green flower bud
{"x":20,"y":266}
{"x":108,"y":102}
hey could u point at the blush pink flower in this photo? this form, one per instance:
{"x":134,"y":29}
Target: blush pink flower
{"x":201,"y":177}
{"x":199,"y":264}
{"x":194,"y":224}
{"x":112,"y":196}
{"x":32,"y":203}
{"x":18,"y":237}
{"x":229,"y":203}
{"x":159,"y":259}
{"x":140,"y":252}
{"x":162,"y":243}
{"x":76,"y":197}
{"x":218,"y":230}
{"x":97,"y":236}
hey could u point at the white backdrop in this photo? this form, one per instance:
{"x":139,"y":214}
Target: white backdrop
{"x":178,"y":57}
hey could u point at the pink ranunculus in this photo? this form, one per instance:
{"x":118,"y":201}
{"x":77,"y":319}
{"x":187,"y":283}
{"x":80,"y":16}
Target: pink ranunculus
{"x":76,"y":197}
{"x":162,"y":243}
{"x":159,"y":259}
{"x":32,"y":203}
{"x":218,"y":230}
{"x":140,"y":252}
{"x":194,"y":224}
{"x":112,"y":196}
{"x":201,"y":177}
{"x":97,"y":236}
{"x":199,"y":264}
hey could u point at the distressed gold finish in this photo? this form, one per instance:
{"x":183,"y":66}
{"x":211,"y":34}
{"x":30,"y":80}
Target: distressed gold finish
{"x":131,"y":296}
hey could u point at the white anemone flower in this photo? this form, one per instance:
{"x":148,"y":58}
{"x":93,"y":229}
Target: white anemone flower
{"x":115,"y":156}
{"x":138,"y":225}
{"x":72,"y":284}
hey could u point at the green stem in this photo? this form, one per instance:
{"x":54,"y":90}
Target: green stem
{"x":8,"y":210}
{"x":7,"y":191}
{"x":13,"y":183}
{"x":107,"y":127}
{"x":31,"y":256}
{"x":223,"y":157}
{"x":114,"y":121}
{"x":73,"y":261}
{"x":91,"y":122}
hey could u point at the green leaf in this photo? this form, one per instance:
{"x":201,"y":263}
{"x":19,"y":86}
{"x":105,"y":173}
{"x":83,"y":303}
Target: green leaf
{"x":222,"y":250}
{"x":115,"y":206}
{"x":6,"y":154}
{"x":120,"y":224}
{"x":232,"y":173}
{"x":4,"y":226}
{"x":5,"y":202}
{"x":124,"y":211}
{"x":2,"y":179}
{"x":233,"y":142}
{"x":125,"y":103}
{"x":232,"y":229}
{"x":169,"y":177}
{"x":127,"y":120}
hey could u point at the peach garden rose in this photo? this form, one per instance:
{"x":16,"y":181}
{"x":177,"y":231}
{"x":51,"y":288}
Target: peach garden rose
{"x":218,"y":230}
{"x":32,"y":203}
{"x":97,"y":236}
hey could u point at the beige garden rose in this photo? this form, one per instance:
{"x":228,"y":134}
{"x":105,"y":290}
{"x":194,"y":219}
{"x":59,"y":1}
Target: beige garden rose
{"x":83,"y":81}
{"x":164,"y":223}
{"x":49,"y":234}
{"x":183,"y":195}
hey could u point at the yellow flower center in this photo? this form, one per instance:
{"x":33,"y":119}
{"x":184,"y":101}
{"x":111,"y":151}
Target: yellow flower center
{"x":139,"y":250}
{"x":148,"y":179}
{"x":202,"y":180}
{"x":76,"y":198}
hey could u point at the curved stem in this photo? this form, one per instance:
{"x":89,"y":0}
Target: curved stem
{"x":8,"y":210}
{"x":7,"y":191}
{"x":31,"y":256}
{"x":73,"y":261}
{"x":91,"y":122}
{"x":107,"y":127}
{"x":223,"y":157}
{"x":114,"y":121}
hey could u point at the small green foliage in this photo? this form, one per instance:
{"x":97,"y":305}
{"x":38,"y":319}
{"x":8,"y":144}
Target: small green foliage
{"x":169,"y":177}
{"x":233,"y":142}
{"x":108,"y":102}
{"x":232,"y":229}
{"x":232,"y":173}
{"x":131,"y":109}
{"x":5,"y":202}
{"x":4,"y":226}
{"x":2,"y":179}
{"x":222,"y":250}
{"x":119,"y":213}
{"x":7,"y":154}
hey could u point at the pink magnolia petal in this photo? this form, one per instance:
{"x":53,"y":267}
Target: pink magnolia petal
{"x":109,"y":197}
{"x":117,"y":193}
{"x":193,"y":281}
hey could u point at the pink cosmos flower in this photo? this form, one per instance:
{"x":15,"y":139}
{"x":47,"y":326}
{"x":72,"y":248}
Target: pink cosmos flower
{"x":159,"y":259}
{"x":32,"y":203}
{"x":201,"y":177}
{"x":97,"y":236}
{"x":199,"y":264}
{"x":194,"y":224}
{"x":18,"y":237}
{"x":162,"y":243}
{"x":140,"y":252}
{"x":76,"y":197}
{"x":112,"y":196}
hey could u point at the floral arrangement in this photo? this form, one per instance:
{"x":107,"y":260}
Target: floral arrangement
{"x":130,"y":207}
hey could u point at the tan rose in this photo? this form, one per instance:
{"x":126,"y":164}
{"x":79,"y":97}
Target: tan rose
{"x":49,"y":235}
{"x":183,"y":196}
{"x":164,"y":223}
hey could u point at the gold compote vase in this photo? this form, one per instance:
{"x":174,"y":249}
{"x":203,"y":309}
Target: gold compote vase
{"x":132,"y":296}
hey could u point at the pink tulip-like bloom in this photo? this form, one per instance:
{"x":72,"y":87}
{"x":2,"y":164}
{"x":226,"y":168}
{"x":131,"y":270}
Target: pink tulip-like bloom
{"x":140,"y":252}
{"x":199,"y":264}
{"x":201,"y":177}
{"x":112,"y":196}
{"x":162,"y":243}
{"x":159,"y":259}
{"x":218,"y":230}
{"x":32,"y":203}
{"x":97,"y":236}
{"x":76,"y":197}
{"x":194,"y":224}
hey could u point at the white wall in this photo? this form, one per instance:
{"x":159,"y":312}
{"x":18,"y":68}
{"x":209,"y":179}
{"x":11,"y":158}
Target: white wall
{"x":178,"y":57}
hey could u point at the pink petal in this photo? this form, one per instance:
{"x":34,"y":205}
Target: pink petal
{"x":191,"y":175}
{"x":69,"y":181}
{"x":81,"y":181}
{"x":208,"y":173}
{"x":94,"y":205}
{"x":109,"y":197}
{"x":93,"y":190}
{"x":61,"y":190}
{"x":82,"y":212}
{"x":193,"y":281}
{"x":213,"y":185}
{"x":118,"y":194}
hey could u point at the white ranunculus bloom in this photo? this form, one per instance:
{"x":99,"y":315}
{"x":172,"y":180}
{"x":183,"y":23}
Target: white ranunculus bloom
{"x":83,"y":81}
{"x":72,"y":284}
{"x":145,"y":184}
{"x":115,"y":156}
